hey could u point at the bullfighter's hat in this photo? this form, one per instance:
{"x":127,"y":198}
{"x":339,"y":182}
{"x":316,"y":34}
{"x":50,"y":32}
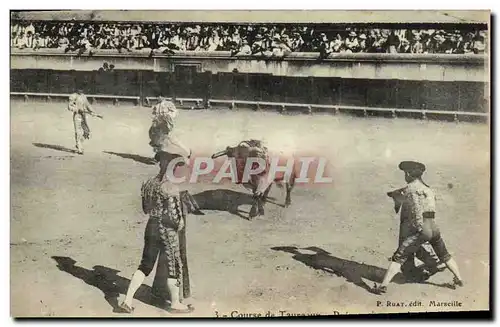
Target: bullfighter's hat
{"x":413,"y":168}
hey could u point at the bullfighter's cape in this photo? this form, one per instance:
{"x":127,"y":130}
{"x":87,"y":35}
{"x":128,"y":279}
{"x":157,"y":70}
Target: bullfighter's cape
{"x":159,"y":286}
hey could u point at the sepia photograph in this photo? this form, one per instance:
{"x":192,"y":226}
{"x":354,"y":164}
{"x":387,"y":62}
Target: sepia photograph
{"x":249,"y":163}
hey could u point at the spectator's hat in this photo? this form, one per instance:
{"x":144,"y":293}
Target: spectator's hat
{"x":412,"y":168}
{"x":258,"y":37}
{"x":362,"y":36}
{"x":285,"y":37}
{"x":352,"y":33}
{"x":245,"y":41}
{"x":417,"y":37}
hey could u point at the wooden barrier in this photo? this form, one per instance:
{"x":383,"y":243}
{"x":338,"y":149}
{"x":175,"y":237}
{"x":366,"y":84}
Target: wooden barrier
{"x":282,"y":107}
{"x":92,"y":97}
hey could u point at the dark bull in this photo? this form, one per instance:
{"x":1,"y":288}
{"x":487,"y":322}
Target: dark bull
{"x":259,"y":183}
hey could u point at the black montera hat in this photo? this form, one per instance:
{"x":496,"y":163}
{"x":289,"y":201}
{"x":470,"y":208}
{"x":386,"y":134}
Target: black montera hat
{"x":412,"y":167}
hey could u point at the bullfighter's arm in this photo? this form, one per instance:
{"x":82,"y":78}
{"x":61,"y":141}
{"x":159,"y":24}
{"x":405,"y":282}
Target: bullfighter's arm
{"x":89,"y":109}
{"x":72,"y":103}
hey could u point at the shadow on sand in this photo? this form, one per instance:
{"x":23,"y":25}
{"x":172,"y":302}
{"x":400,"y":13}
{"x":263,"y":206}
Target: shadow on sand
{"x":354,"y":272}
{"x":107,"y":280}
{"x":224,"y":200}
{"x":54,"y":147}
{"x":135,"y":157}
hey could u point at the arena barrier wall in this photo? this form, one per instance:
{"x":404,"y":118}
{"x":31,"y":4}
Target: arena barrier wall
{"x":263,"y":90}
{"x":375,"y":66}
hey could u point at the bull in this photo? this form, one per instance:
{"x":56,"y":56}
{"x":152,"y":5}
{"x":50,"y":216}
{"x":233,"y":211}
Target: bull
{"x":261,"y":183}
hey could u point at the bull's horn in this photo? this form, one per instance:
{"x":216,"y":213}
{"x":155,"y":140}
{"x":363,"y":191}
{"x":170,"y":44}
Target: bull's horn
{"x":219,"y":154}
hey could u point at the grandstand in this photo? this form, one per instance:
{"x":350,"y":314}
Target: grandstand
{"x":87,"y":32}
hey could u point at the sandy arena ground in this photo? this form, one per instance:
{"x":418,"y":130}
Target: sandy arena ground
{"x":77,"y":225}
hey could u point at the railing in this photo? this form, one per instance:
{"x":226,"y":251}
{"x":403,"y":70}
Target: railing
{"x":281,"y":107}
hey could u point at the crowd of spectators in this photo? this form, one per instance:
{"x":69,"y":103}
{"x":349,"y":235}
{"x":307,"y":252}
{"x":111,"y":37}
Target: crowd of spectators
{"x":265,"y":39}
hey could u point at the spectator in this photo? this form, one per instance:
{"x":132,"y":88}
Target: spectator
{"x":362,"y":43}
{"x":235,"y":42}
{"x":225,"y":41}
{"x":29,"y":29}
{"x":457,"y":44}
{"x":245,"y":49}
{"x":21,"y":41}
{"x":448,"y":44}
{"x":440,"y":46}
{"x":258,"y":45}
{"x":322,"y":45}
{"x":478,"y":44}
{"x":213,"y":41}
{"x":297,"y":42}
{"x":38,"y":42}
{"x":280,"y":47}
{"x":336,"y":45}
{"x":417,"y":46}
{"x":428,"y":44}
{"x":192,"y":39}
{"x":392,"y":42}
{"x":351,"y":43}
{"x":128,"y":43}
{"x":404,"y":46}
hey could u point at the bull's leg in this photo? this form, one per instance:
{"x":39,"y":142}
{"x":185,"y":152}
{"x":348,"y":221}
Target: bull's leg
{"x":266,"y":193}
{"x":254,"y":211}
{"x":289,"y":187}
{"x":260,"y":205}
